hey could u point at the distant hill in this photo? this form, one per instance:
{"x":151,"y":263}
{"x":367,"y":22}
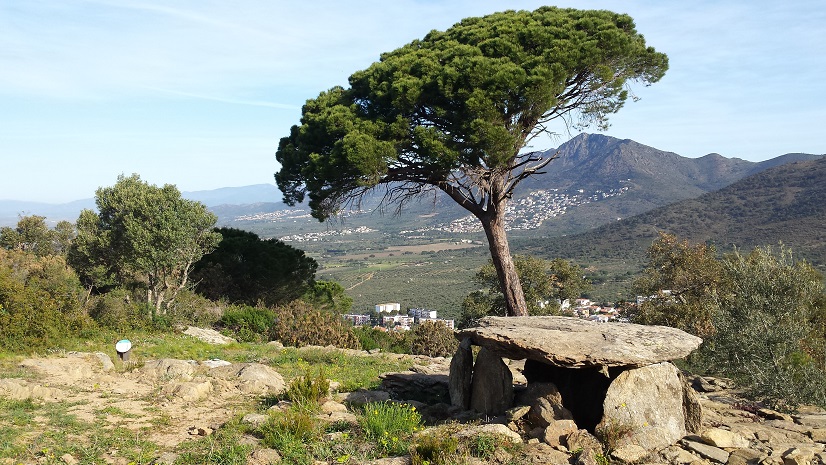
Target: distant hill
{"x":257,"y":194}
{"x":785,"y":203}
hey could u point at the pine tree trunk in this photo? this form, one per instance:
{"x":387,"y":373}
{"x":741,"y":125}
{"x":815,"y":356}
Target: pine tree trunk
{"x":494,"y":226}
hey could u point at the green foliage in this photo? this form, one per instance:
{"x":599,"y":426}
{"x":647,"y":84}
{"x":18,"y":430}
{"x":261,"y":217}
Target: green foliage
{"x":434,"y":339}
{"x":298,"y":324}
{"x":544,"y":283}
{"x":768,"y":336}
{"x":40,"y":301}
{"x":248,"y":324}
{"x":328,"y":295}
{"x":370,"y":338}
{"x":293,"y":433}
{"x":246,"y":269}
{"x":118,"y":310}
{"x":390,"y":425}
{"x":434,"y":450}
{"x":762,"y":316}
{"x":33,"y":236}
{"x":308,"y":389}
{"x":682,"y":284}
{"x":454,"y":111}
{"x":144,"y":236}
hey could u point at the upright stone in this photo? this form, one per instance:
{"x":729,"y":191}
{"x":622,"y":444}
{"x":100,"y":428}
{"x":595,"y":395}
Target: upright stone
{"x":645,"y":406}
{"x":492,"y":385}
{"x":461,"y":375}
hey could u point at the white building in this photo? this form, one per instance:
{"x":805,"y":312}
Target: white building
{"x":388,"y":308}
{"x":422,"y":314}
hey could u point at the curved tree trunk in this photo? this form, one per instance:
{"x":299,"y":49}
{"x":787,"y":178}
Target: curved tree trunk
{"x":494,"y":226}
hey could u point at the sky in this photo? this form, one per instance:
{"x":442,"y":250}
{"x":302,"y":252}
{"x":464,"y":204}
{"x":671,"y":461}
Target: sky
{"x":198,"y":93}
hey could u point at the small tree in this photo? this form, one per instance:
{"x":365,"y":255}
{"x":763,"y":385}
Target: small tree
{"x":681,"y":284}
{"x":145,"y":236}
{"x":545,"y":284}
{"x":34,"y":236}
{"x":454,"y":112}
{"x":247,"y":269}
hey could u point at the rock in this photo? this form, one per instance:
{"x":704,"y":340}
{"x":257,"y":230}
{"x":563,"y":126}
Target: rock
{"x":105,"y":361}
{"x":492,"y":386}
{"x":644,"y":406}
{"x":252,"y":378}
{"x":678,"y":456}
{"x":215,"y":363}
{"x":718,"y":437}
{"x":168,"y":369}
{"x":710,"y":452}
{"x":581,"y":440}
{"x":264,"y":457}
{"x":770,"y":414}
{"x":410,"y":385}
{"x":167,"y":458}
{"x":545,"y":404}
{"x":630,"y":453}
{"x":557,"y":431}
{"x":276,"y":345}
{"x":516,"y":413}
{"x":332,"y":406}
{"x":461,"y":375}
{"x":362,"y":397}
{"x":188,"y":391}
{"x":817,"y":434}
{"x":19,"y":389}
{"x":491,"y":429}
{"x":692,"y":409}
{"x":208,"y":335}
{"x":573,"y":342}
{"x":403,"y":460}
{"x":68,"y":459}
{"x":745,"y":457}
{"x":799,"y":456}
{"x":200,"y":430}
{"x":541,"y":453}
{"x":255,"y":419}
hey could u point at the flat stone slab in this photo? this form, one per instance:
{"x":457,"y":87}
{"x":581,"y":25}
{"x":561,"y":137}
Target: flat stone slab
{"x":575,"y":343}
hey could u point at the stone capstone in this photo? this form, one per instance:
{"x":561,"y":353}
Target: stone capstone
{"x":573,"y":342}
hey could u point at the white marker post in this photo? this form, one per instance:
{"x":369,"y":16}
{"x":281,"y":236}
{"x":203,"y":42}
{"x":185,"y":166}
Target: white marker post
{"x":123,"y":347}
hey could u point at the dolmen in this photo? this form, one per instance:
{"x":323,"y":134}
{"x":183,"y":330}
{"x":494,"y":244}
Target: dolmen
{"x":615,"y":380}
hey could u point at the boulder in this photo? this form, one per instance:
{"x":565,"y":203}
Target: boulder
{"x":644,"y":406}
{"x":557,"y":431}
{"x":545,"y":404}
{"x":252,"y":378}
{"x":461,"y":375}
{"x":168,"y":369}
{"x":573,"y":342}
{"x":208,"y":335}
{"x":723,"y":439}
{"x":492,"y":385}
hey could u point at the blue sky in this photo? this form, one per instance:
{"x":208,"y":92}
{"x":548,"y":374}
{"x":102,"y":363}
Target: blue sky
{"x":198,"y":93}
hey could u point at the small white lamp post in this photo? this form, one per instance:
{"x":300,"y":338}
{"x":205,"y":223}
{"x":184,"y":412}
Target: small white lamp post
{"x":123,"y":347}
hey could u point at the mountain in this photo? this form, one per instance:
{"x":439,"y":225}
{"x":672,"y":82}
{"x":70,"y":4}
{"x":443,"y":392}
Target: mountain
{"x":261,"y":195}
{"x":784,"y":203}
{"x":649,"y":178}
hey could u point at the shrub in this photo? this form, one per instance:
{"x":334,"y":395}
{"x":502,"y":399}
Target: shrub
{"x":117,"y":310}
{"x":248,"y":324}
{"x":293,"y":434}
{"x":194,"y":309}
{"x":298,"y":324}
{"x":390,"y":425}
{"x":370,"y":338}
{"x":433,"y":339}
{"x":308,"y":389}
{"x":434,"y":450}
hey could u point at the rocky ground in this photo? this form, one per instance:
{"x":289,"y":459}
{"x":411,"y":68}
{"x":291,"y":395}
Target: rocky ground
{"x":174,"y":401}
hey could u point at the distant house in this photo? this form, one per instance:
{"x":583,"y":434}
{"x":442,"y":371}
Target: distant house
{"x":358,"y":320}
{"x":422,"y":313}
{"x":388,"y":307}
{"x":599,"y":318}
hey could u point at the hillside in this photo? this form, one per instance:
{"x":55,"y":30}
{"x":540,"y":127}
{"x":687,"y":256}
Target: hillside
{"x":786,"y":203}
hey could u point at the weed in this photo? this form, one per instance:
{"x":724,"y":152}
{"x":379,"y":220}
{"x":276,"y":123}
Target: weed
{"x":390,"y":425}
{"x":308,"y":389}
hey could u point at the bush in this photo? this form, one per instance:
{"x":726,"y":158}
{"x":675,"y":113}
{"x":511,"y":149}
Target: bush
{"x":117,"y":310}
{"x":434,"y":339}
{"x":298,"y":324}
{"x":397,"y":342}
{"x":390,"y":425}
{"x":248,"y":324}
{"x":193,"y":309}
{"x":40,"y":301}
{"x":308,"y":389}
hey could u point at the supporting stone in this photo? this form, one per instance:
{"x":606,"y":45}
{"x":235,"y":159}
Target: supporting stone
{"x":492,"y":385}
{"x":461,"y":375}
